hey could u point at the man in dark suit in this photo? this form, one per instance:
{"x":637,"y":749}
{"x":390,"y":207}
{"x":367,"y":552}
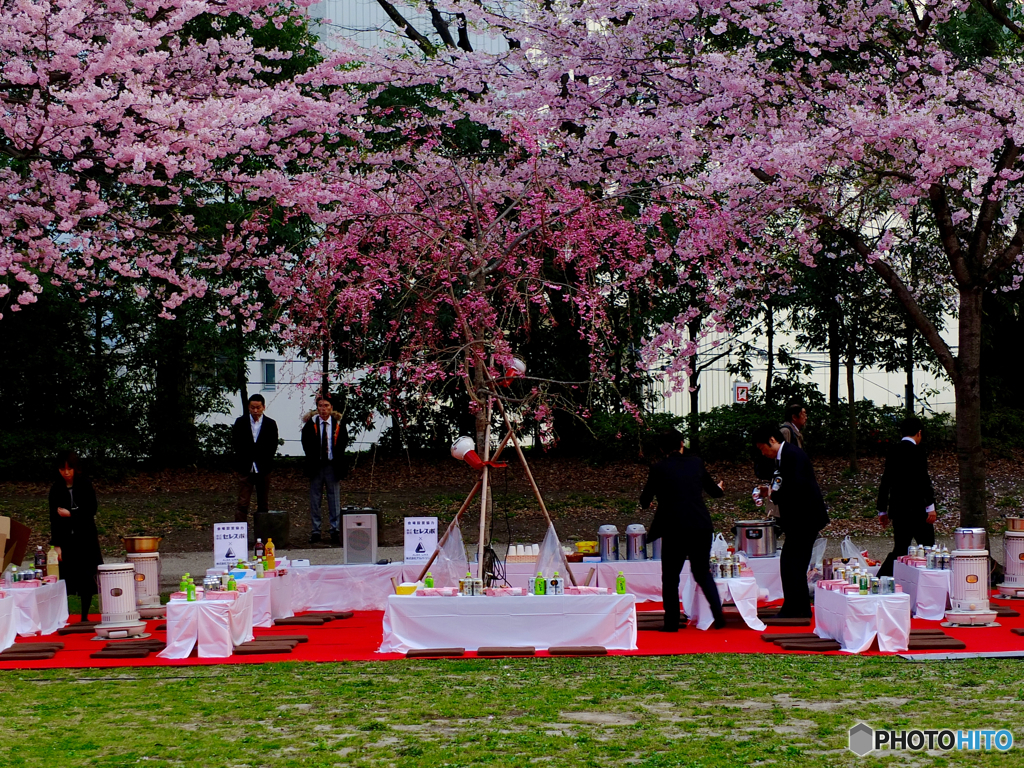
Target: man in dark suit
{"x":323,"y":441}
{"x":905,"y":494}
{"x":254,"y":440}
{"x":683,"y":523}
{"x":802,"y":515}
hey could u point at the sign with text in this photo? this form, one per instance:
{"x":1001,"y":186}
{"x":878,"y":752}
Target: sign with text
{"x":230,"y":543}
{"x":420,"y":539}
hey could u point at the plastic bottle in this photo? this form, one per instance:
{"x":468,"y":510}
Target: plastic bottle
{"x":269,"y":558}
{"x":259,"y":550}
{"x":183,"y":586}
{"x":232,"y":584}
{"x":259,"y":568}
{"x":40,"y":558}
{"x":428,"y":582}
{"x":52,"y":563}
{"x":556,"y":585}
{"x":190,"y":591}
{"x":540,"y":587}
{"x":620,"y":584}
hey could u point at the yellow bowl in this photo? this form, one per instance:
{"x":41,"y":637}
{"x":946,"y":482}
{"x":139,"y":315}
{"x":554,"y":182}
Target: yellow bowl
{"x":586,"y":547}
{"x":407,"y":589}
{"x":135,"y":544}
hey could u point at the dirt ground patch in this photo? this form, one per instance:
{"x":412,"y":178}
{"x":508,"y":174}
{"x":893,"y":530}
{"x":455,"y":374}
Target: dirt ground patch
{"x":181,"y":505}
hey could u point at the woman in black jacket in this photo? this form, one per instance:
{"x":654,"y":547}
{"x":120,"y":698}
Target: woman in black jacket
{"x":73,"y":529}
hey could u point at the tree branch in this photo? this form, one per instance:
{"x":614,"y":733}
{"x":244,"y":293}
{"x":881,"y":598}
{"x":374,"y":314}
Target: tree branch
{"x":404,"y":26}
{"x":990,"y":208}
{"x":947,"y":234}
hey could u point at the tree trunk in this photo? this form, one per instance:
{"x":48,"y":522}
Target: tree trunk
{"x":242,"y":368}
{"x":835,"y":357}
{"x":909,"y":366}
{"x":967,"y":385}
{"x":769,"y":317}
{"x":482,"y":418}
{"x":325,"y":379}
{"x":852,"y":424}
{"x":175,"y":440}
{"x":693,"y":422}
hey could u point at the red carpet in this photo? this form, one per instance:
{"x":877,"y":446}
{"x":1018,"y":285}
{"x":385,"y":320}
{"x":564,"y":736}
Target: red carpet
{"x":357,"y":639}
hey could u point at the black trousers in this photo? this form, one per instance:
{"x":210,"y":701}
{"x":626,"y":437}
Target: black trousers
{"x":696,"y":547}
{"x":258,"y":481}
{"x":796,"y":556}
{"x":905,"y":532}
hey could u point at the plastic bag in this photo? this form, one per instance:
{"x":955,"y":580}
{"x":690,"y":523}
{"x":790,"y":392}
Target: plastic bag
{"x":815,"y":568}
{"x":719,"y":546}
{"x":849,"y":550}
{"x":451,"y":563}
{"x":549,"y":559}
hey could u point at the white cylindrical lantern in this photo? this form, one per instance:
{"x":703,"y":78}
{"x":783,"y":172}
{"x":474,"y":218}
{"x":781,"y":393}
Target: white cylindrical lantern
{"x":117,"y":601}
{"x":969,"y":584}
{"x":1013,"y":546}
{"x":147,"y":583}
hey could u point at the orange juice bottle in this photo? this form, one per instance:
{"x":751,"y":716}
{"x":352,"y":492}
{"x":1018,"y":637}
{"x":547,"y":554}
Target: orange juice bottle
{"x":270,"y":561}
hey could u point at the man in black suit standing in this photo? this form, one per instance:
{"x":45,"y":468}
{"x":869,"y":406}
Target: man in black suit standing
{"x":683,"y":523}
{"x":324,"y":438}
{"x":905,"y":494}
{"x":254,"y":440}
{"x":802,"y":515}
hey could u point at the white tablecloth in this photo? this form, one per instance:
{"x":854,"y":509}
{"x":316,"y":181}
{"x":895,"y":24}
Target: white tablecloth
{"x":643,"y":578}
{"x":346,"y":587}
{"x":8,"y":628}
{"x":766,"y":573}
{"x":216,"y":625}
{"x":40,"y":610}
{"x":928,"y":590}
{"x":271,"y":599}
{"x":742,"y":592}
{"x":532,"y":621}
{"x":856,"y":620}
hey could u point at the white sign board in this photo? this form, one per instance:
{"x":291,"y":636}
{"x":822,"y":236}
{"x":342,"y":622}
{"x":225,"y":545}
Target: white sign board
{"x":230,"y":543}
{"x":741,"y":391}
{"x":420,"y":539}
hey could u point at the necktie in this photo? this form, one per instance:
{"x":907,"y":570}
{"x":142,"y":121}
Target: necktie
{"x":323,"y":441}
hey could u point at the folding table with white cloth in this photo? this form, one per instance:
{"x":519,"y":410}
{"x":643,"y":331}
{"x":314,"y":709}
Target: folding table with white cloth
{"x":40,"y":610}
{"x":767,"y":574}
{"x":271,"y":599}
{"x":8,"y":628}
{"x":928,"y":589}
{"x":537,"y":621}
{"x":216,"y":626}
{"x":742,"y":592}
{"x":855,"y":620}
{"x":345,"y":587}
{"x":643,"y":578}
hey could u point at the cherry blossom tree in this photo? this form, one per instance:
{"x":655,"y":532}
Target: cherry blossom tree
{"x":118,"y":117}
{"x":853,"y":116}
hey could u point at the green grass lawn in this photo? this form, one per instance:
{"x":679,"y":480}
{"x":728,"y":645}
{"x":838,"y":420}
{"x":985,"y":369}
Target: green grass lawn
{"x":715,"y":711}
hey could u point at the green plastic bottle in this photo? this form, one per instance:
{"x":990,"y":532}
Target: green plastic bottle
{"x":232,"y":584}
{"x":540,"y":586}
{"x":183,"y":586}
{"x":190,"y":591}
{"x":428,"y":582}
{"x":620,"y":584}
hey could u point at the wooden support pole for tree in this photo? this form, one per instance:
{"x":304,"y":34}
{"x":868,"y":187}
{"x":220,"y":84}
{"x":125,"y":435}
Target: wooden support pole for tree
{"x":462,"y":509}
{"x":533,"y":485}
{"x":485,"y":480}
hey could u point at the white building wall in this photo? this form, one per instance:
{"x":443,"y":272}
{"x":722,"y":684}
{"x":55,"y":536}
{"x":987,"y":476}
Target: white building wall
{"x":289,"y":396}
